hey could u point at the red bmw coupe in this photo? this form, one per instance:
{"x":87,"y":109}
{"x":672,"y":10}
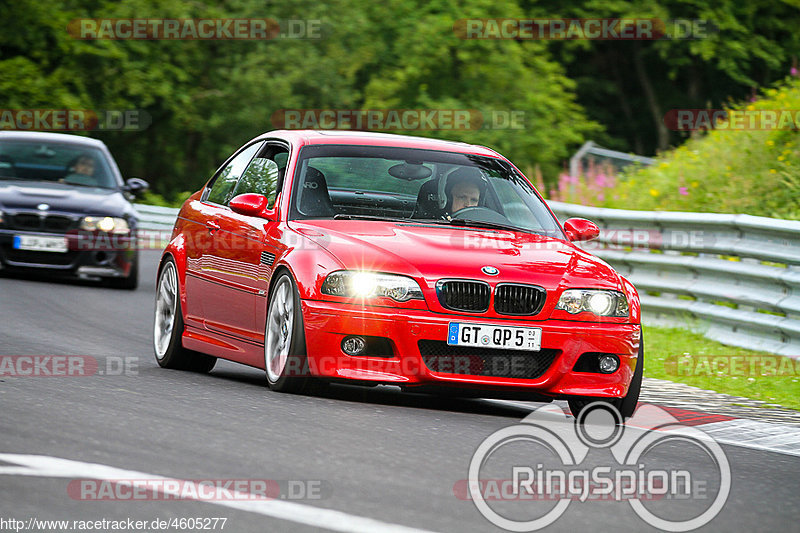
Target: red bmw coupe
{"x":325,"y":256}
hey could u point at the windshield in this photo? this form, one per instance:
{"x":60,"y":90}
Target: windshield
{"x":413,"y":185}
{"x":71,"y":164}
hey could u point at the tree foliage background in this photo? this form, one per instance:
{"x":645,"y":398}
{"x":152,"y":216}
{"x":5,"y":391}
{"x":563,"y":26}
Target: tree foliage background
{"x":206,"y":98}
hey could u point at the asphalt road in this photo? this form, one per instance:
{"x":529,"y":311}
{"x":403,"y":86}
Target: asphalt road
{"x":379,"y":457}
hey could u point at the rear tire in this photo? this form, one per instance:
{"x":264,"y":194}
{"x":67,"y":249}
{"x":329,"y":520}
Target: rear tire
{"x":168,"y":326}
{"x":285,"y":360}
{"x":625,"y":405}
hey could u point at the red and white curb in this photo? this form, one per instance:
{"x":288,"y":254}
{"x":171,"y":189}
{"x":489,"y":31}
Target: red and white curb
{"x":724,"y":429}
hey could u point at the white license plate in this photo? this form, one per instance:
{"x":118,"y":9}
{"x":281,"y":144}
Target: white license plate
{"x":493,"y":336}
{"x":40,"y":243}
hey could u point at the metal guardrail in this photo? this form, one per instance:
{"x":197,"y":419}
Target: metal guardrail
{"x":155,"y":218}
{"x":590,"y":148}
{"x":155,"y":225}
{"x":735,"y":278}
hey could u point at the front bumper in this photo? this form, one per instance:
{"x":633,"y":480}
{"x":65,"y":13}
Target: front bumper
{"x":87,"y":254}
{"x":326,"y":324}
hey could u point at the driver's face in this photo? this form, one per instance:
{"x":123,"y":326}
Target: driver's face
{"x":465,"y":195}
{"x":84,"y":166}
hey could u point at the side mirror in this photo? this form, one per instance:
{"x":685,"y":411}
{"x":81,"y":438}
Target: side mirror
{"x":252,"y":205}
{"x":580,"y":229}
{"x":136,"y":185}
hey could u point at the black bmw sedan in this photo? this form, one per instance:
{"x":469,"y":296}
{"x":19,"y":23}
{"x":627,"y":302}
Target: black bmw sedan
{"x":64,"y":207}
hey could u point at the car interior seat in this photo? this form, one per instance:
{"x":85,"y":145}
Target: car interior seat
{"x":315,"y":201}
{"x":428,"y":201}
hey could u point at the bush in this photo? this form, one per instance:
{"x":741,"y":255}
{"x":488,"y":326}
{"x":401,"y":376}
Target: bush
{"x":723,"y":171}
{"x":153,"y":198}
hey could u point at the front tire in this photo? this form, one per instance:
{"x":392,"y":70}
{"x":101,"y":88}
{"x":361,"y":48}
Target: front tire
{"x":625,"y":405}
{"x":168,"y":326}
{"x":285,"y":360}
{"x":129,"y":283}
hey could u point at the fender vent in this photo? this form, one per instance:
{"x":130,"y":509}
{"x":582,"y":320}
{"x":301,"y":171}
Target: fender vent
{"x":267,"y":258}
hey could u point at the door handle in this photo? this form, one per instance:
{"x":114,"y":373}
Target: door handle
{"x":212,"y":226}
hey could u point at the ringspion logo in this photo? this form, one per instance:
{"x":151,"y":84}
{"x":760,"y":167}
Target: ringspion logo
{"x":518,"y":472}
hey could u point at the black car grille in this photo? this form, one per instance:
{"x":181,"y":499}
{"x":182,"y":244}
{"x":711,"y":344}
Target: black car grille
{"x":511,"y":299}
{"x":24,"y":221}
{"x":35,"y":222}
{"x":443,"y":358}
{"x":39,"y":258}
{"x":470,"y":296}
{"x":57,"y":223}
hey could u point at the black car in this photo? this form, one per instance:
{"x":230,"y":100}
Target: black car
{"x":65,"y":207}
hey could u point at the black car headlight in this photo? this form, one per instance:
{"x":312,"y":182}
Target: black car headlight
{"x":106,"y":224}
{"x":597,"y":301}
{"x":365,"y":284}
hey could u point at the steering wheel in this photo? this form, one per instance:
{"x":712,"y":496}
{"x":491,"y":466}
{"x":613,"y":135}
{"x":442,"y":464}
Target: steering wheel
{"x":480,"y":214}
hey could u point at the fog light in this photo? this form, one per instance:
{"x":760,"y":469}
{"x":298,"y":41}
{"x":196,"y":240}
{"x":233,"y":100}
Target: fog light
{"x":354,"y":345}
{"x":609,"y":363}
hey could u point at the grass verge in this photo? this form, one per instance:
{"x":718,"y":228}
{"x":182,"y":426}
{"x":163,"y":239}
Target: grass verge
{"x":682,"y":356}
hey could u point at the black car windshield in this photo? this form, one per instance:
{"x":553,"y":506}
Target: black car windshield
{"x":414,"y":185}
{"x":71,"y":164}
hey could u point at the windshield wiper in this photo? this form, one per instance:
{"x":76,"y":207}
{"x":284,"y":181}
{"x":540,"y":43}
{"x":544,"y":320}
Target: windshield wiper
{"x":342,"y":216}
{"x":481,"y":224}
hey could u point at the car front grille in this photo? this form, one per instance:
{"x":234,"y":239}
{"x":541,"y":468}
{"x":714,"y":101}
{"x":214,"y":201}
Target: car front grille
{"x":473,"y":297}
{"x":470,"y":296}
{"x":39,"y":258}
{"x":36,"y":222}
{"x":512,"y":299}
{"x":443,"y":358}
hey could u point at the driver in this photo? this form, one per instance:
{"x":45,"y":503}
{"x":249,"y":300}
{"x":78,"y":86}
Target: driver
{"x":81,"y":171}
{"x":465,"y":188}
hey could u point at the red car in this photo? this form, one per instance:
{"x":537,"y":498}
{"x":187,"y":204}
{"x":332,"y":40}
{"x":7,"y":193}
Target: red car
{"x":325,"y":256}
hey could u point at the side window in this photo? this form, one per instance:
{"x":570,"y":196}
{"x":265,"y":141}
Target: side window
{"x":226,"y":180}
{"x":263,"y":175}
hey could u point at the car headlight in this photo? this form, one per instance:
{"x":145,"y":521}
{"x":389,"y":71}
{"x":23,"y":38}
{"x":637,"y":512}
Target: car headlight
{"x":1,"y":217}
{"x":599,"y":302}
{"x":364,"y":284}
{"x":107,"y":224}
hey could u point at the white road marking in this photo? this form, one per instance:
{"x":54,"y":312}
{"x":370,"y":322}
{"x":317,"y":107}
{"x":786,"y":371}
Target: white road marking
{"x":46,"y":466}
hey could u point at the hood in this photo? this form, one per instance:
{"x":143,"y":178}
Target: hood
{"x":434,"y":252}
{"x":62,"y":198}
